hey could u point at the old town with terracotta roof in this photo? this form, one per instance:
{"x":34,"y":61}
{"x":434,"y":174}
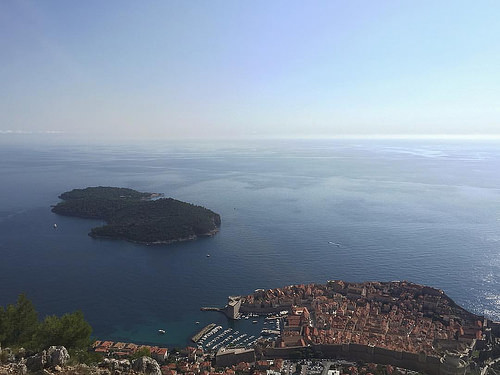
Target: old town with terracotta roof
{"x":395,"y":315}
{"x":364,"y":328}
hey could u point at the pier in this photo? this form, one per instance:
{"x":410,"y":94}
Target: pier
{"x":271,"y":332}
{"x":231,"y":310}
{"x":203,"y":331}
{"x":212,"y":309}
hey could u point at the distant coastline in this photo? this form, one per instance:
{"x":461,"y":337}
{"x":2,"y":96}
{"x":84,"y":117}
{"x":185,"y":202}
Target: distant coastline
{"x":144,"y":218}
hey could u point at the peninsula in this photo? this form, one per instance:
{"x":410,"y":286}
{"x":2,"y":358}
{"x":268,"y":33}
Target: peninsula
{"x":138,"y":217}
{"x":397,"y":315}
{"x":397,"y":323}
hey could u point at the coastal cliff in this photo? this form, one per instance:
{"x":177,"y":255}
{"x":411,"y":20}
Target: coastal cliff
{"x":138,"y":217}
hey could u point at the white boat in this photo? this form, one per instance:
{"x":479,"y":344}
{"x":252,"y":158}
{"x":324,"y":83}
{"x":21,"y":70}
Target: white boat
{"x":55,"y":225}
{"x":161,"y":331}
{"x":208,"y":255}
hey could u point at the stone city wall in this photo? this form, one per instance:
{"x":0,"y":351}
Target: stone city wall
{"x":358,"y":352}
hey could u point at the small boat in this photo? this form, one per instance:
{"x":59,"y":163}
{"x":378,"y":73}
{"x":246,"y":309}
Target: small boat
{"x":197,"y":322}
{"x":208,"y":255}
{"x":254,"y":322}
{"x":55,"y":225}
{"x":161,"y":331}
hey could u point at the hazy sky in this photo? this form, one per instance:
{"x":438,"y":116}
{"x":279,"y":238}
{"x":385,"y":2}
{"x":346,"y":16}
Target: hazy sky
{"x":188,"y":69}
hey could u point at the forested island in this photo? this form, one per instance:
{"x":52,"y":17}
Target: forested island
{"x":138,"y":217}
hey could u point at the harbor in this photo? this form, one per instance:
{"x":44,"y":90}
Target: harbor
{"x":245,"y":334}
{"x":203,"y":331}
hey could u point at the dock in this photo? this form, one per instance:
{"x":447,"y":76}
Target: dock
{"x":203,"y":331}
{"x":212,"y":309}
{"x":231,"y":310}
{"x":271,"y":332}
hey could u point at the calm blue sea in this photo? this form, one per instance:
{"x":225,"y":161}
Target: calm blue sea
{"x":424,"y":211}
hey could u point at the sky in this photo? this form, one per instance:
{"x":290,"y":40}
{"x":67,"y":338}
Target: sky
{"x":245,"y":69}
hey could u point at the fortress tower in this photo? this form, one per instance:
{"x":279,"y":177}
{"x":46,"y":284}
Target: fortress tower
{"x":232,"y":309}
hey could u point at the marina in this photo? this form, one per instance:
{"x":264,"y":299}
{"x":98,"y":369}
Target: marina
{"x":203,"y":331}
{"x":215,"y":337}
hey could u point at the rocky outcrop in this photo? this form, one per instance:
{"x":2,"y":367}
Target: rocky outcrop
{"x":50,"y":358}
{"x":37,"y":362}
{"x":58,"y":356}
{"x":120,"y":365}
{"x":54,"y":361}
{"x":146,"y":365}
{"x":14,"y":369}
{"x":7,"y":355}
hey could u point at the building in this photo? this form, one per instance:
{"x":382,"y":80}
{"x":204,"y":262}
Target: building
{"x":230,"y":357}
{"x":160,"y":354}
{"x":233,"y":307}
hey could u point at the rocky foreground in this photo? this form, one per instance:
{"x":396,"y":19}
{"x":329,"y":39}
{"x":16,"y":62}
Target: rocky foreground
{"x":56,"y":360}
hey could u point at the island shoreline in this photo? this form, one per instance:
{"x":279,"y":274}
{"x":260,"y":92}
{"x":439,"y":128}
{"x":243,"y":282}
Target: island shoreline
{"x":141,"y":218}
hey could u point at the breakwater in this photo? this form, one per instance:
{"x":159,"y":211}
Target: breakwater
{"x":203,"y":331}
{"x":211,"y":309}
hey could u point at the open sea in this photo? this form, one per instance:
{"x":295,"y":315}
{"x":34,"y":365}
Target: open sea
{"x":423,"y":211}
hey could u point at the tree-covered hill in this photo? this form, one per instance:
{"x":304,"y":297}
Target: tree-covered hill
{"x":133,"y":216}
{"x":101,"y":192}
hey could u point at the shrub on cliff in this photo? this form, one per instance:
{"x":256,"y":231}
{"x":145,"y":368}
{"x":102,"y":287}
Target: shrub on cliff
{"x":70,"y":330}
{"x":20,"y":327}
{"x":143,"y":352}
{"x":18,"y":323}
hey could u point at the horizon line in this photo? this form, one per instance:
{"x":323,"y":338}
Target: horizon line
{"x":393,"y":136}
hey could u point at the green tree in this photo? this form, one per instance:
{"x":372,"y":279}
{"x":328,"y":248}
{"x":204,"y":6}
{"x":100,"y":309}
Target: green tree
{"x":3,"y":325}
{"x":19,"y":326}
{"x":18,"y":323}
{"x":27,"y":320}
{"x":86,"y":356}
{"x":70,"y":330}
{"x":141,"y":353}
